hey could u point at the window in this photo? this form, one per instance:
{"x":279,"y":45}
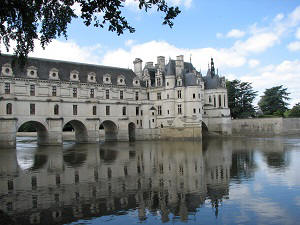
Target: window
{"x":107,"y":94}
{"x":137,"y":111}
{"x":32,"y":90}
{"x":74,"y":110}
{"x":158,"y":96}
{"x":7,"y":88}
{"x":168,"y":112}
{"x":94,"y":110}
{"x":158,"y":82}
{"x":141,"y":112}
{"x":10,"y":185}
{"x":53,"y":90}
{"x":199,"y":95}
{"x":214,"y":101}
{"x":121,"y":94}
{"x":107,"y":109}
{"x":179,"y":94}
{"x":159,"y":110}
{"x":124,"y":111}
{"x":148,"y":96}
{"x":167,"y":83}
{"x":56,"y":110}
{"x":194,"y":95}
{"x":224,"y":100}
{"x":179,"y":83}
{"x":74,"y":92}
{"x":136,"y":95}
{"x":209,"y":99}
{"x":194,"y":110}
{"x":32,"y":109}
{"x":147,"y":83}
{"x":92,"y":93}
{"x":179,"y":109}
{"x":220,"y":103}
{"x":199,"y":110}
{"x":8,"y":108}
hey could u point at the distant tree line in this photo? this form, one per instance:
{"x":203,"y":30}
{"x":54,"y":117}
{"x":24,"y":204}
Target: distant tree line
{"x":273,"y":103}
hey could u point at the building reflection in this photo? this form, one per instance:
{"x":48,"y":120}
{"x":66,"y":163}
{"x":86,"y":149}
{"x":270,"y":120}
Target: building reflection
{"x":170,"y":179}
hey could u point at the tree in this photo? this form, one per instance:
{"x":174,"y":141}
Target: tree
{"x":28,"y":20}
{"x":273,"y":102}
{"x":294,"y":112}
{"x":240,"y":99}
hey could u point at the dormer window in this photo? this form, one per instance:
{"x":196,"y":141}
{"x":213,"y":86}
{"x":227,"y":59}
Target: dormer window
{"x":121,"y":80}
{"x":7,"y":70}
{"x":136,"y":82}
{"x":92,"y":77}
{"x":53,"y":74}
{"x":179,"y":83}
{"x":106,"y":79}
{"x":32,"y":72}
{"x":74,"y":75}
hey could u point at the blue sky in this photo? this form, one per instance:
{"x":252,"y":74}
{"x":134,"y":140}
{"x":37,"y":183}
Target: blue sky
{"x":253,"y":40}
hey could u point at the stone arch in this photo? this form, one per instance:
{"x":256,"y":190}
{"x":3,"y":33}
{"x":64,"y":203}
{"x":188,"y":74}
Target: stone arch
{"x":110,"y":129}
{"x":131,"y":131}
{"x":204,"y":129}
{"x":81,"y":133}
{"x":35,"y":126}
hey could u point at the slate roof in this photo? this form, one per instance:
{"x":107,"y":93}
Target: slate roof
{"x":64,"y":68}
{"x":212,"y":81}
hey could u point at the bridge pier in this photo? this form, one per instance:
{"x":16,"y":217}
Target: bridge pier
{"x":8,"y":130}
{"x":123,"y":134}
{"x":53,"y":134}
{"x":92,"y":132}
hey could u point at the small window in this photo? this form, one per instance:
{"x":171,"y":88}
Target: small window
{"x":121,"y":81}
{"x":158,"y":96}
{"x":107,"y":94}
{"x":74,"y":110}
{"x":136,"y":95}
{"x":194,"y":110}
{"x":159,"y":112}
{"x":31,"y":72}
{"x":141,"y":112}
{"x":167,"y":84}
{"x":7,"y":70}
{"x":179,"y":109}
{"x":56,"y":110}
{"x":194,"y":95}
{"x":168,"y":112}
{"x":148,"y":96}
{"x":8,"y":108}
{"x":7,"y":88}
{"x":32,"y":90}
{"x":54,"y":93}
{"x":121,"y":94}
{"x":168,"y":96}
{"x":124,"y":111}
{"x":32,"y":109}
{"x":137,"y":111}
{"x":74,"y":92}
{"x":106,"y":79}
{"x":94,"y":110}
{"x":179,"y":93}
{"x":92,"y":93}
{"x":107,"y":109}
{"x":209,"y":99}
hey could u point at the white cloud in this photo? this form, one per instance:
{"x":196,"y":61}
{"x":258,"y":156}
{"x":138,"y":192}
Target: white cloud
{"x":148,"y":51}
{"x":219,"y":35}
{"x":278,"y":17}
{"x":298,"y":33}
{"x":286,"y":73}
{"x":257,"y":43}
{"x":235,"y":33}
{"x":253,"y":63}
{"x":294,"y":46}
{"x":129,"y":42}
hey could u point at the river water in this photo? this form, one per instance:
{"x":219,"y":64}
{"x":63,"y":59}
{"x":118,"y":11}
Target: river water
{"x":217,"y":181}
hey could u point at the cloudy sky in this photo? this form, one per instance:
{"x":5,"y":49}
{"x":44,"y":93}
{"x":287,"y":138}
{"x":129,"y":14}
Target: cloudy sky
{"x":252,"y":40}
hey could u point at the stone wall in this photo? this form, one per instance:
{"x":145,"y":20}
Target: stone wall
{"x":265,"y":126}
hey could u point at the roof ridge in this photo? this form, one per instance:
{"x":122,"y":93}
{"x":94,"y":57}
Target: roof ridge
{"x":70,"y":62}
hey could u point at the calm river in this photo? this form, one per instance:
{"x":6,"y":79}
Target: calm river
{"x":219,"y":181}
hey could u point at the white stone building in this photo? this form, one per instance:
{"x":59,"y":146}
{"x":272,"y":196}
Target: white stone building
{"x":162,"y":101}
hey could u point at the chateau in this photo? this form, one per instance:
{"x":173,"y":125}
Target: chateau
{"x":166,"y":100}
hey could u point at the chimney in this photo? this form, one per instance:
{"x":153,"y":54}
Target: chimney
{"x":161,"y":61}
{"x":179,"y":65}
{"x":149,"y":64}
{"x":138,"y":67}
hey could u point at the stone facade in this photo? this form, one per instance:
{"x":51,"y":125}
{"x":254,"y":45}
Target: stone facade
{"x":161,"y":101}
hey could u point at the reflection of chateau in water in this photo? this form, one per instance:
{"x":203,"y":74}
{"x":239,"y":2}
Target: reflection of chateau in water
{"x":172,"y":179}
